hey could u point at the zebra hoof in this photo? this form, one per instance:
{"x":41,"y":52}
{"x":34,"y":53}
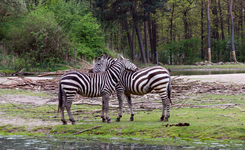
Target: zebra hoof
{"x":118,"y":120}
{"x":64,"y":122}
{"x":109,"y":121}
{"x":131,"y":119}
{"x":162,"y":118}
{"x":165,"y":120}
{"x":73,"y":123}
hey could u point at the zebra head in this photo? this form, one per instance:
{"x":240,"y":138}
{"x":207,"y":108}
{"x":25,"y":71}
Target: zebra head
{"x":127,"y":64}
{"x":102,"y":64}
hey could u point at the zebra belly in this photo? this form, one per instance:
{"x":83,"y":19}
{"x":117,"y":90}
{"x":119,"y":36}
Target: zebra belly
{"x":144,"y":91}
{"x":89,"y":94}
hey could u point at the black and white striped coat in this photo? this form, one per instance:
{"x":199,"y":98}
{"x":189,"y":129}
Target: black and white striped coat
{"x":139,"y":83}
{"x":91,"y":85}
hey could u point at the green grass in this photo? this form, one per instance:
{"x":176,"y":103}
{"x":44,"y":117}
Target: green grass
{"x":208,"y":124}
{"x":205,"y":124}
{"x":24,"y":92}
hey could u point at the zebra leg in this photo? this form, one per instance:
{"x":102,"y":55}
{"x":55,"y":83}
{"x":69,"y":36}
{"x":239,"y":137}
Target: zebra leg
{"x":62,"y":115}
{"x":68,"y":109}
{"x":120,"y":100}
{"x":63,"y":99}
{"x":130,"y":107}
{"x":106,"y":105}
{"x":103,"y":109}
{"x":166,"y":104}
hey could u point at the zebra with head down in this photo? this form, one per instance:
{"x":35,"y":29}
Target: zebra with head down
{"x":91,"y":85}
{"x":139,"y":83}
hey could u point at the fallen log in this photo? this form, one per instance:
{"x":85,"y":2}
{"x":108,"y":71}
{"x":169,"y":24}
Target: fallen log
{"x":51,"y":74}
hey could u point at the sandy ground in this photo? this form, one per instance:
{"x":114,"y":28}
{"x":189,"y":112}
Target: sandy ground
{"x":24,"y":99}
{"x":228,"y":78}
{"x":34,"y":100}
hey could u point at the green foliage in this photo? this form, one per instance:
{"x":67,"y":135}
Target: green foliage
{"x":241,"y":51}
{"x":221,"y":50}
{"x":38,"y":39}
{"x":183,"y":52}
{"x":84,"y":30}
{"x":11,"y":8}
{"x":48,"y":35}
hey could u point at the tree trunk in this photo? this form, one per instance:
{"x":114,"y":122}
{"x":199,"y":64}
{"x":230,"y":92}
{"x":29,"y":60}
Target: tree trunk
{"x":171,"y":31}
{"x":202,"y":31}
{"x":141,"y":45}
{"x":146,"y":39}
{"x":215,"y":32}
{"x":209,"y":44}
{"x":133,"y":44}
{"x":122,"y":39}
{"x":151,"y":38}
{"x":233,"y":53}
{"x":221,"y":22}
{"x":185,"y":24}
{"x":228,"y":21}
{"x":241,"y":19}
{"x":153,"y":51}
{"x":129,"y":40}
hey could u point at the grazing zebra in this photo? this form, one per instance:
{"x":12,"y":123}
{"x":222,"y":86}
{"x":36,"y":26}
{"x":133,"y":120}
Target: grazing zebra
{"x":139,"y":83}
{"x":91,"y":85}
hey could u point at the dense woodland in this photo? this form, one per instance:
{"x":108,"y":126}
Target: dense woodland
{"x":40,"y":33}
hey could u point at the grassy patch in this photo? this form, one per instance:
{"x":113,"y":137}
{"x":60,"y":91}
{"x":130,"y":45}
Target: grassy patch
{"x":208,"y":123}
{"x":205,"y":124}
{"x":24,"y":92}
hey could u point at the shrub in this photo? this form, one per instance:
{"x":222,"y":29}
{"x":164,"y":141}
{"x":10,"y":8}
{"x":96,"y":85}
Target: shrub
{"x":84,"y":30}
{"x":38,"y":39}
{"x":183,"y":52}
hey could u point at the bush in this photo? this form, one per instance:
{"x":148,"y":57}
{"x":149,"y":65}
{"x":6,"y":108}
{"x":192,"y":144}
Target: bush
{"x":183,"y":52}
{"x":84,"y":30}
{"x":38,"y":39}
{"x":221,"y":50}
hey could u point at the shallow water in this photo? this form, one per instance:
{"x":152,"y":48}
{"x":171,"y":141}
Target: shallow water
{"x":49,"y":143}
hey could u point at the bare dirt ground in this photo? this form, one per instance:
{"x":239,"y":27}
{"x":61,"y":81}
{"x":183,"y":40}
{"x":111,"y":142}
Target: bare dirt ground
{"x":227,"y":78}
{"x":38,"y":101}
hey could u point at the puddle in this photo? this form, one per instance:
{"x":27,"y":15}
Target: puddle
{"x":49,"y":143}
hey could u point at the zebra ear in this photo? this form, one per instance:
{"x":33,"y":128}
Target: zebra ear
{"x":103,"y":57}
{"x":120,"y":56}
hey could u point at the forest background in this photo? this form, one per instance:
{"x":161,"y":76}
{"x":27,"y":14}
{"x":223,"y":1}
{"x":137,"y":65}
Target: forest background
{"x":38,"y":34}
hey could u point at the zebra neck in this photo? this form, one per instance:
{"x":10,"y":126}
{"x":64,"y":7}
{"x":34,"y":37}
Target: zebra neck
{"x":114,"y":72}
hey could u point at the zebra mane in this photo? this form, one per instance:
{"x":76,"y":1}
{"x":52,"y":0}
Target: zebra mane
{"x":106,"y":57}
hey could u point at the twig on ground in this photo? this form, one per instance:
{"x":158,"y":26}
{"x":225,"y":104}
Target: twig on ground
{"x":18,"y":106}
{"x":87,"y":130}
{"x":240,"y":109}
{"x":51,"y":107}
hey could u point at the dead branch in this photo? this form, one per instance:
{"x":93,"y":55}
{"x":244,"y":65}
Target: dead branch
{"x":18,"y":106}
{"x":87,"y":130}
{"x":51,"y":74}
{"x":240,"y":109}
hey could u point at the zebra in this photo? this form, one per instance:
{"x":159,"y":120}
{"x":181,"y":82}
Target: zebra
{"x":91,"y":85}
{"x":139,"y":83}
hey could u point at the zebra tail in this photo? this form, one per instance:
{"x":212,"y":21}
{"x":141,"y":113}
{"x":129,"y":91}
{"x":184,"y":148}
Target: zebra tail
{"x":60,"y":98}
{"x":169,"y":90}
